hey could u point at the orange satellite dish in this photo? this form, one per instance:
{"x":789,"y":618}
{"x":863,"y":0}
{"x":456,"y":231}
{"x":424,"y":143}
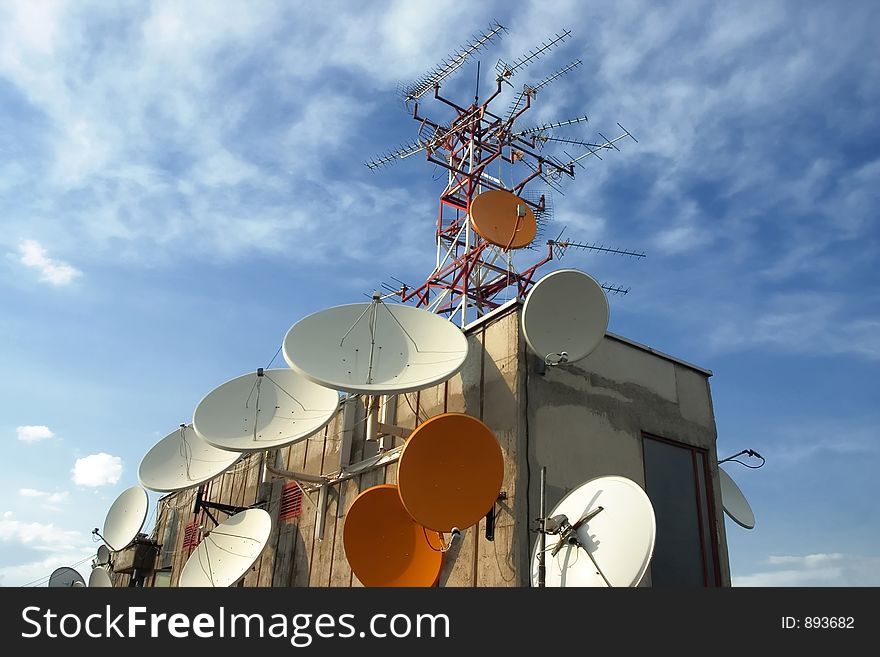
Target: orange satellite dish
{"x":503,"y":219}
{"x":450,"y":472}
{"x":385,"y":546}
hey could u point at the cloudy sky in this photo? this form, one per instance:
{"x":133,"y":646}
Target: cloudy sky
{"x":181,"y":181}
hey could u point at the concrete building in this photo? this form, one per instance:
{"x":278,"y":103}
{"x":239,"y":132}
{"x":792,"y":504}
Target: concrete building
{"x":626,"y":409}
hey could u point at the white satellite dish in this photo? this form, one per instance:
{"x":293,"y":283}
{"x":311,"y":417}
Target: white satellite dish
{"x":565,"y":316}
{"x":228,"y":551}
{"x":734,"y":502}
{"x":100,"y":578}
{"x":263,"y":410}
{"x":103,"y":556}
{"x":612,"y":528}
{"x":182,"y":460}
{"x":125,"y":518}
{"x":375,"y":348}
{"x":66,"y":577}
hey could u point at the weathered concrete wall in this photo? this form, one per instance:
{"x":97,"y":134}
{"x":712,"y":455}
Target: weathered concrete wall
{"x":580,"y":421}
{"x":586,"y":420}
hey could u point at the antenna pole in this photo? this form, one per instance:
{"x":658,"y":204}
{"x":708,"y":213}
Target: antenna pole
{"x":477,"y":87}
{"x":542,"y":534}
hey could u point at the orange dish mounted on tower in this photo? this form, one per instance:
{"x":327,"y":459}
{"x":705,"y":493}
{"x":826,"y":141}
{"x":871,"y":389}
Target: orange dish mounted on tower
{"x":503,"y":219}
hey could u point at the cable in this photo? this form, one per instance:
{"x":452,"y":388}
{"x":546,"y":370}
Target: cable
{"x":415,"y":411}
{"x":528,"y":456}
{"x":748,"y":452}
{"x":42,"y":580}
{"x":275,"y":356}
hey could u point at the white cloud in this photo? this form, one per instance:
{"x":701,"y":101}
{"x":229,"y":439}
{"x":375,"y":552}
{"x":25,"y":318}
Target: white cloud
{"x":38,"y":535}
{"x":49,"y":498}
{"x":43,"y":548}
{"x":796,"y":322}
{"x":100,"y":469}
{"x":32,"y":254}
{"x":809,"y":560}
{"x":831,"y":569}
{"x":794,"y":443}
{"x":33,"y":433}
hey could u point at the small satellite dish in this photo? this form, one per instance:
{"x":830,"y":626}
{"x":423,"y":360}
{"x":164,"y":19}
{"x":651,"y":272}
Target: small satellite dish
{"x":385,"y":546}
{"x":125,"y":518}
{"x":503,"y":219}
{"x":263,"y":410}
{"x":565,"y":316}
{"x":605,"y":539}
{"x":375,"y":348}
{"x":229,"y":551}
{"x":100,"y":578}
{"x":66,"y":577}
{"x":103,"y":556}
{"x":182,"y":460}
{"x":450,"y":472}
{"x":734,"y":502}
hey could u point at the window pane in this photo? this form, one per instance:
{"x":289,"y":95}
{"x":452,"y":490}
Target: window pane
{"x":669,"y":479}
{"x":169,"y":541}
{"x":162,"y":578}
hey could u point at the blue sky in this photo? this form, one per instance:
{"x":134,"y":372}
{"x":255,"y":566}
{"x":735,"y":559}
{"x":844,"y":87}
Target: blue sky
{"x":181,"y":182}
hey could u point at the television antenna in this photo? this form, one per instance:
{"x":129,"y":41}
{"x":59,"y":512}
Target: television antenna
{"x":66,"y":577}
{"x":375,"y":348}
{"x":102,"y":558}
{"x":262,"y":410}
{"x":385,"y":546}
{"x":450,"y":472}
{"x":472,"y":272}
{"x":100,"y":578}
{"x":125,"y":518}
{"x":182,"y":460}
{"x":604,"y":532}
{"x":229,"y":551}
{"x":565,"y":316}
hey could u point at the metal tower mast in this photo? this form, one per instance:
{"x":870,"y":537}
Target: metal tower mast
{"x":470,"y":273}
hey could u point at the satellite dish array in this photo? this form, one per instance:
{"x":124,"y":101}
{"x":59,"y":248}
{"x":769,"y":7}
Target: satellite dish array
{"x":451,"y":467}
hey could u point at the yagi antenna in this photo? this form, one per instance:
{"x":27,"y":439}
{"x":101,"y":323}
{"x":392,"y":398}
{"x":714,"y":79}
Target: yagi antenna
{"x":506,"y":70}
{"x":407,"y":150}
{"x":615,"y":289}
{"x":608,"y":144}
{"x":557,"y":75}
{"x":451,"y":64}
{"x":531,"y":90}
{"x":599,"y":248}
{"x":403,"y":152}
{"x":550,"y":126}
{"x":542,"y":138}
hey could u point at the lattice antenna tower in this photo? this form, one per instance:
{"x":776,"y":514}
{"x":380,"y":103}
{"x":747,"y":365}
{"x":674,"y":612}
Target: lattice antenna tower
{"x":470,"y":273}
